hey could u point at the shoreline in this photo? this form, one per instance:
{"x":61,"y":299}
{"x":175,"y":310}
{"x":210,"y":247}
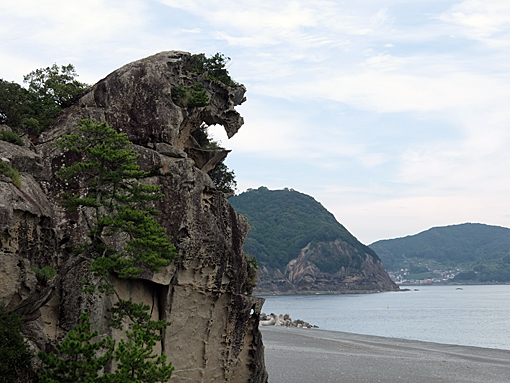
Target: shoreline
{"x":404,"y":289}
{"x":269,"y":293}
{"x":295,"y":355}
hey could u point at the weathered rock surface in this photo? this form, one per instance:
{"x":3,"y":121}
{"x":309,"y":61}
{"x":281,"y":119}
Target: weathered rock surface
{"x":303,"y":276}
{"x":205,"y":293}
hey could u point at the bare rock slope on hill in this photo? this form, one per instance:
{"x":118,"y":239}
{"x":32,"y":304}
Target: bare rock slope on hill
{"x":205,"y":293}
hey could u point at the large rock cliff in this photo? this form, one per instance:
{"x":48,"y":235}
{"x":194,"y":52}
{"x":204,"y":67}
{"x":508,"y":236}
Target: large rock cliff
{"x":205,"y":293}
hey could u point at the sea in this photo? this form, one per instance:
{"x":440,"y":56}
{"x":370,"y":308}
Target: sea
{"x":471,"y":315}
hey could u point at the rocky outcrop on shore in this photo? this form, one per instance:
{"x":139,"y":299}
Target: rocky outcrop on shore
{"x":283,"y":320}
{"x":303,"y":276}
{"x":206,"y":292}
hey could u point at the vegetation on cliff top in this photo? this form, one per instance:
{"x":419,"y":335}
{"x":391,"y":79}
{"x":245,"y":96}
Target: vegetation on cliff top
{"x":285,"y":221}
{"x":482,"y":251}
{"x":192,"y":97}
{"x":215,"y":66}
{"x":31,"y":110}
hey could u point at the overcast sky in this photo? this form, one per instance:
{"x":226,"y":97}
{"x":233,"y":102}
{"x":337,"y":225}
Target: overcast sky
{"x":395,"y":115}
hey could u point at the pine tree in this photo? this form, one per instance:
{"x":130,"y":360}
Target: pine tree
{"x":120,"y":202}
{"x":15,"y":356}
{"x":77,"y":360}
{"x":136,"y":361}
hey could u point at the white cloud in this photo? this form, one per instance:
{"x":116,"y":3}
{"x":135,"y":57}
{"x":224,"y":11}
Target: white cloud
{"x":293,"y":23}
{"x":479,"y":19}
{"x":372,"y":220}
{"x":194,"y":30}
{"x":41,"y":33}
{"x":73,"y":21}
{"x":271,"y":132}
{"x":385,"y":89}
{"x":250,"y":16}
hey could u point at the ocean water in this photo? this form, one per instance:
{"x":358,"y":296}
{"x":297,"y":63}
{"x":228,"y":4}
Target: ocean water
{"x":464,"y":315}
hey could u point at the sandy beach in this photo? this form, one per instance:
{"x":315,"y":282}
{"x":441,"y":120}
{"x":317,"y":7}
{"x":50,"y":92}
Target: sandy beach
{"x":296,"y":355}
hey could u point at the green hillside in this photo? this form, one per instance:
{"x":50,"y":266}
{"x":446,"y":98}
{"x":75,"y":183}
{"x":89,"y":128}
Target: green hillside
{"x":285,"y":221}
{"x":482,"y":251}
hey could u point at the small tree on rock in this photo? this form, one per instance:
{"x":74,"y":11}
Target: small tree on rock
{"x":15,"y":356}
{"x":120,"y":202}
{"x":136,"y":361}
{"x":77,"y":359}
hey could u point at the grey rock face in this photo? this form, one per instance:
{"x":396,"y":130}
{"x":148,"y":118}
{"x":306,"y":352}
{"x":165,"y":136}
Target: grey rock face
{"x":303,"y":276}
{"x":214,"y":336}
{"x":23,"y":159}
{"x":170,"y":151}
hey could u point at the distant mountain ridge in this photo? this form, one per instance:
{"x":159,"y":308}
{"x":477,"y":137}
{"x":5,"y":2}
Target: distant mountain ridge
{"x":481,"y":251}
{"x":300,"y":246}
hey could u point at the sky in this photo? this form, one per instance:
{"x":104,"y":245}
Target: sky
{"x":394,"y":115}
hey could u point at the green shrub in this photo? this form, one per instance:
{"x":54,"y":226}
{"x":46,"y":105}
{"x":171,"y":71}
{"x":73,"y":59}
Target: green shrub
{"x":10,"y":172}
{"x":77,"y":359}
{"x":252,"y":268}
{"x":179,"y":95}
{"x":194,"y":96}
{"x":49,"y":91}
{"x":31,"y":126}
{"x":44,"y":274}
{"x":215,"y":66}
{"x":11,"y":137}
{"x":198,"y":96}
{"x":15,"y":357}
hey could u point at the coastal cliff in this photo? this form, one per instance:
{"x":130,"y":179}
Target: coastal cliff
{"x":205,"y":292}
{"x":302,"y":248}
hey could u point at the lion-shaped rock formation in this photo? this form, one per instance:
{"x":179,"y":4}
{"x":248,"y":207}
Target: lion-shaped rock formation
{"x":205,"y":292}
